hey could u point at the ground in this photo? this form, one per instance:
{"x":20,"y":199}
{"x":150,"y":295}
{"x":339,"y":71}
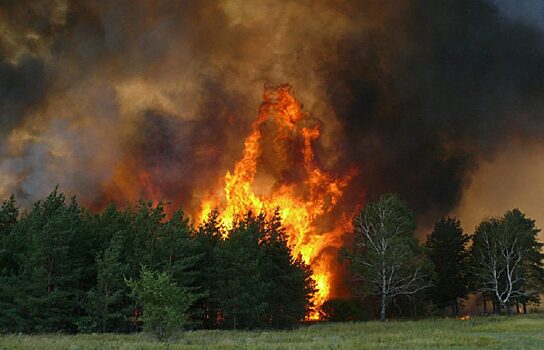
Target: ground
{"x":519,"y":332}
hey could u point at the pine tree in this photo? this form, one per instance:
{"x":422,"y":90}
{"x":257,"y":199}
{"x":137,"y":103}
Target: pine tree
{"x":240,"y":290}
{"x":291,"y":284}
{"x":56,"y":265}
{"x":178,"y":252}
{"x":13,"y":246}
{"x":209,"y":236}
{"x":9,"y":214}
{"x":447,"y":250}
{"x":106,"y":303}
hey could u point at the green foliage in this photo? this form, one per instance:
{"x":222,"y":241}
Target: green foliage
{"x":507,"y":259}
{"x":9,"y":213}
{"x":63,"y":268}
{"x":165,"y":303}
{"x":240,"y":288}
{"x":50,"y":268}
{"x":291,"y":286}
{"x":386,"y":259}
{"x":447,"y":249}
{"x":104,"y":302}
{"x":208,"y":237}
{"x":354,"y":309}
{"x":255,"y":280}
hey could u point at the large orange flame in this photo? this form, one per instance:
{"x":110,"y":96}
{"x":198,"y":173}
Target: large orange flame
{"x":302,"y":202}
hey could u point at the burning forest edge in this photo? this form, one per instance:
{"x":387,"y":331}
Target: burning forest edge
{"x":273,"y":244}
{"x":279,"y":170}
{"x":303,"y":192}
{"x":389,"y":168}
{"x":68,"y":269}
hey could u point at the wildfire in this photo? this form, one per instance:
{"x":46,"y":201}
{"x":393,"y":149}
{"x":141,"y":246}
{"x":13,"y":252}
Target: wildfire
{"x":303,"y":199}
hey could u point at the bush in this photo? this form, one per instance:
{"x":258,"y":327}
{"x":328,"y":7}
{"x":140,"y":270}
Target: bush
{"x":165,"y":304}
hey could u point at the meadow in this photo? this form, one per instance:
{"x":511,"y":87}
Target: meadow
{"x":516,"y":332}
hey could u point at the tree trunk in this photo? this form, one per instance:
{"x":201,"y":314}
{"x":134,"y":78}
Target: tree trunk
{"x":496,"y":307}
{"x":517,"y":306}
{"x":503,"y":306}
{"x":485,"y":303}
{"x":382,"y":313}
{"x":455,"y":307}
{"x":104,"y":314}
{"x":524,"y":304}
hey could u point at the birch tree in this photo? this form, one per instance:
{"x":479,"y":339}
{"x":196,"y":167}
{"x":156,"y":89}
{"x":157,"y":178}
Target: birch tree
{"x":505,"y":257}
{"x":386,"y":260}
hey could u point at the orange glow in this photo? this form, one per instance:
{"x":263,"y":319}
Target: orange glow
{"x":302,"y":201}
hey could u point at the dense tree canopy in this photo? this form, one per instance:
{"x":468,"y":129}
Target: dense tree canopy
{"x":256,"y":280}
{"x":447,"y":249}
{"x":64,"y":268}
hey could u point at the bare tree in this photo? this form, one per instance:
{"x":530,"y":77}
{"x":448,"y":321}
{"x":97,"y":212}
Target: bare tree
{"x":386,"y":259}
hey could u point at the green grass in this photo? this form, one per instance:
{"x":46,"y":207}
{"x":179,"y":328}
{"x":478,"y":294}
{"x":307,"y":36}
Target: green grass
{"x":519,"y":332}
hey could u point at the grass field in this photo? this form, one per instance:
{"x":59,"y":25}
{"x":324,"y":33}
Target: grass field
{"x":517,"y":332}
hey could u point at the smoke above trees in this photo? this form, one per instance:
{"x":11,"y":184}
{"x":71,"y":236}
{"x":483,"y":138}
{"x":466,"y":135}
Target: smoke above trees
{"x":414,"y":94}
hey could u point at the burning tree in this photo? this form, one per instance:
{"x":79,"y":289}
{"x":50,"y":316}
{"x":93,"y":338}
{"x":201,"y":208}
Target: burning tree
{"x":305,"y":192}
{"x":386,"y":257}
{"x":255,"y":279}
{"x":507,"y":259}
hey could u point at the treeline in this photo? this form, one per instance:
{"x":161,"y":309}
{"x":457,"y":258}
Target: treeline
{"x":501,"y":262}
{"x":63,"y":268}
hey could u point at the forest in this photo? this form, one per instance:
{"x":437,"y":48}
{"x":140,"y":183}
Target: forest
{"x":65,"y":268}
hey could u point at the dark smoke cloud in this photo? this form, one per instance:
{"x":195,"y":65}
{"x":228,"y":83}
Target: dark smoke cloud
{"x":413,"y":93}
{"x":21,"y":88}
{"x":449,"y":83}
{"x":184,"y":156}
{"x":530,"y":12}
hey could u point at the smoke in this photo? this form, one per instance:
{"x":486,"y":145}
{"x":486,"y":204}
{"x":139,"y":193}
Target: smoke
{"x":443,"y":86}
{"x":21,"y":88}
{"x":130,"y":99}
{"x":530,"y":12}
{"x":512,"y":179}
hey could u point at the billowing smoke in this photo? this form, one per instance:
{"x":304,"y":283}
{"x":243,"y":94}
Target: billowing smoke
{"x":440,"y":87}
{"x":130,"y":99}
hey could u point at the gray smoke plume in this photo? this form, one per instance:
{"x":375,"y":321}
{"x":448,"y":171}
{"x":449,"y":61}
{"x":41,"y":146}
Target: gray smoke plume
{"x":415,"y":94}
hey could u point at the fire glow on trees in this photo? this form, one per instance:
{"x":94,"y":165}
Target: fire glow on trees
{"x":302,"y":201}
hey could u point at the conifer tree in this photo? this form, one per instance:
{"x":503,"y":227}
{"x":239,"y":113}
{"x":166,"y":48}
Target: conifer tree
{"x":240,"y":289}
{"x":448,"y":252}
{"x":291,"y":284}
